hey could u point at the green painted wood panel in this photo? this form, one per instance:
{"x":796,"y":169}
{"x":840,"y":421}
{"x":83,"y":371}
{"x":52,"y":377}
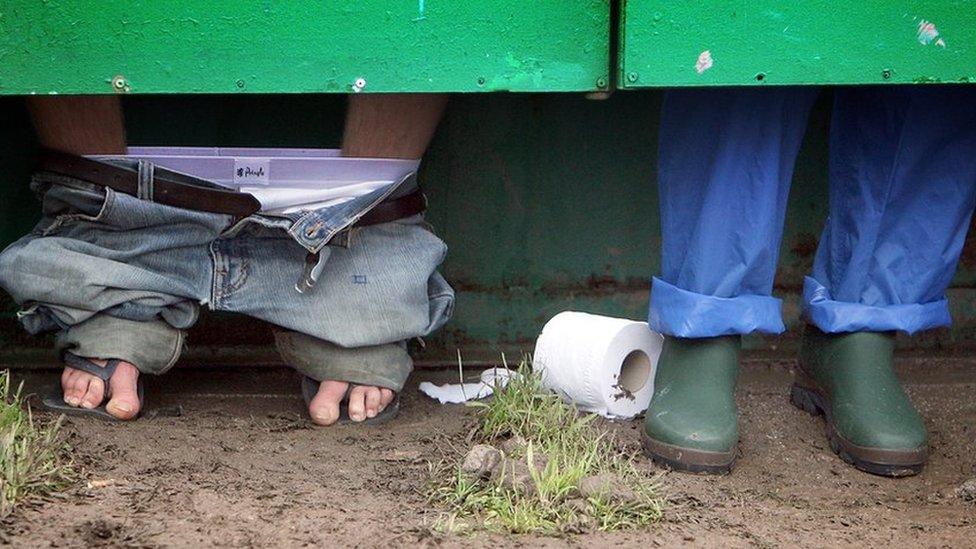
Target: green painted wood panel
{"x":299,"y":46}
{"x":750,"y":42}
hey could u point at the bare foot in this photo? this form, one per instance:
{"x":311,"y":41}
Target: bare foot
{"x":84,"y":390}
{"x":365,"y":402}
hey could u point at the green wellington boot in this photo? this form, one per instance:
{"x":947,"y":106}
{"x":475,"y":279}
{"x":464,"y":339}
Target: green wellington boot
{"x":692,"y":423}
{"x":850,"y":379}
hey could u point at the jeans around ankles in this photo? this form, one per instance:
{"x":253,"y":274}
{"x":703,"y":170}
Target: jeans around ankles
{"x":121,"y":277}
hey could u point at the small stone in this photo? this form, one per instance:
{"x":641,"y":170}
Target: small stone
{"x":92,"y":484}
{"x":967,"y":490}
{"x":578,"y":504}
{"x":607,"y":486}
{"x":481,"y":461}
{"x":515,"y":474}
{"x":513,"y":445}
{"x":582,"y":522}
{"x":539,"y":462}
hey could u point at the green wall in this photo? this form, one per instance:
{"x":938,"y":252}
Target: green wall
{"x":303,"y":46}
{"x":342,"y":46}
{"x":772,"y":42}
{"x":548,"y":202}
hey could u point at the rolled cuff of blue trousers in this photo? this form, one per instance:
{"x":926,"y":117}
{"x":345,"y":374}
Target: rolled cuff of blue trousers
{"x":681,"y":313}
{"x":841,"y":316}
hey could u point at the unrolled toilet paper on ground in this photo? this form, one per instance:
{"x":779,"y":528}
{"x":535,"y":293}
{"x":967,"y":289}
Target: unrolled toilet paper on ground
{"x":601,"y":364}
{"x":456,"y":393}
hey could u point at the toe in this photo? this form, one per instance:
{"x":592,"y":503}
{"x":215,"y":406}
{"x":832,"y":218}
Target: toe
{"x":66,"y":376}
{"x":75,"y":387}
{"x":94,"y":394}
{"x":357,"y":403}
{"x":372,"y":401}
{"x":324,"y":407}
{"x":125,"y":393}
{"x":386,"y":397}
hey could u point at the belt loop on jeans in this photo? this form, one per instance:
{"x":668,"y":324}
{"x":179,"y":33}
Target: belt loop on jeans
{"x":146,"y":173}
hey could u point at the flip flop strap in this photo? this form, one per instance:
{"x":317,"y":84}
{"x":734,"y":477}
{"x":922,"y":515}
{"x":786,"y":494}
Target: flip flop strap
{"x":85,"y":365}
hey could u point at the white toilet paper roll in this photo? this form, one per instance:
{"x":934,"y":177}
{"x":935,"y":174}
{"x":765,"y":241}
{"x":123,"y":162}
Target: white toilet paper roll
{"x":601,"y":364}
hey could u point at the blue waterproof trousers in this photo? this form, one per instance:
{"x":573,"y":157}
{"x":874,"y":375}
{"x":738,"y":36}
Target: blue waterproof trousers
{"x":902,"y":191}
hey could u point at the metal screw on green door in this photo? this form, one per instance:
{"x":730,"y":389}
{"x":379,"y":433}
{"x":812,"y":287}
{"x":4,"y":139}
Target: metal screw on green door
{"x":119,"y":84}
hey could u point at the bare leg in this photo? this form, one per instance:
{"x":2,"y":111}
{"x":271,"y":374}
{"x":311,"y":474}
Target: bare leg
{"x":378,"y":126}
{"x":88,"y":125}
{"x":79,"y":124}
{"x":397,"y":125}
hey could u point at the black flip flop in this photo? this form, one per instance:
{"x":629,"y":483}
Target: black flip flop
{"x":310,"y":387}
{"x":53,"y":397}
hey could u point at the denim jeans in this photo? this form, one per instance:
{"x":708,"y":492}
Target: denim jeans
{"x":122,"y":277}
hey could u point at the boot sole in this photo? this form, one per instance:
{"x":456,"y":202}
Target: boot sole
{"x":686,"y":459}
{"x":877,"y":461}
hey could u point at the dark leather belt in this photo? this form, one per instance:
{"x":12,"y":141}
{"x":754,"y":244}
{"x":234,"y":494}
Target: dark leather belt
{"x":191,"y":193}
{"x":392,"y":209}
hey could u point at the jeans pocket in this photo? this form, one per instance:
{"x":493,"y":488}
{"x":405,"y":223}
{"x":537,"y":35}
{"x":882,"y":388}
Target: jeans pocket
{"x":66,"y":206}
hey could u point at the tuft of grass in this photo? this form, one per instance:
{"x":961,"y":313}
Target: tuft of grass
{"x":573,"y":448}
{"x":33,"y":458}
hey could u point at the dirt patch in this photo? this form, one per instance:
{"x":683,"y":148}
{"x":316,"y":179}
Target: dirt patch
{"x":241,"y":467}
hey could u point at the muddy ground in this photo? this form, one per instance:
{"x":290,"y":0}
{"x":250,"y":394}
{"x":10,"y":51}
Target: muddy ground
{"x":241,"y":467}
